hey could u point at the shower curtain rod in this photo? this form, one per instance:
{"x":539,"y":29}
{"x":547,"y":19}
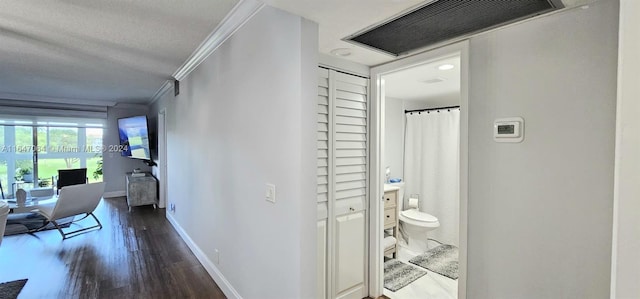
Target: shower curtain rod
{"x":430,"y":109}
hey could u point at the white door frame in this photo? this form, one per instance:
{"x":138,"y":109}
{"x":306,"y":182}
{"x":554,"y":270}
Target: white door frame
{"x":162,"y":155}
{"x":624,"y":253}
{"x":376,"y":202}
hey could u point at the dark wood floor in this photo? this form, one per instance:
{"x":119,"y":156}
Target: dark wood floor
{"x":134,"y":255}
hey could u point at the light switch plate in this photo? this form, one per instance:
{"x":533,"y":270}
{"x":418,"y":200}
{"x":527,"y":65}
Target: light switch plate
{"x":270,"y":194}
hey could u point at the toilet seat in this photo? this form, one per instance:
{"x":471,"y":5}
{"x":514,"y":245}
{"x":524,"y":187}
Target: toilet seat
{"x":416,"y":215}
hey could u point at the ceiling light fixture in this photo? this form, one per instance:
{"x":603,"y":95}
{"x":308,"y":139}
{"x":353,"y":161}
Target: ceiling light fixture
{"x":445,"y":67}
{"x":342,"y":52}
{"x":433,"y":80}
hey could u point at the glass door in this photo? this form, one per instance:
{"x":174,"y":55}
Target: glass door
{"x":57,"y":149}
{"x":4,"y":170}
{"x":68,"y":148}
{"x":20,"y":147}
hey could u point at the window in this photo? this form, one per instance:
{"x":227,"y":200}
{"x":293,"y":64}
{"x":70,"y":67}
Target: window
{"x":94,"y":163}
{"x":3,"y":162}
{"x":29,"y":160}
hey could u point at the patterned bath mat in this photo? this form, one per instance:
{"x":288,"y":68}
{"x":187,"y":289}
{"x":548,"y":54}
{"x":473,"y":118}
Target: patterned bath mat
{"x":442,"y":260}
{"x":398,"y":275}
{"x":11,"y":290}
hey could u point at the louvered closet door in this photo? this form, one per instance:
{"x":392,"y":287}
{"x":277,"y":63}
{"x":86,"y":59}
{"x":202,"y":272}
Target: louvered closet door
{"x":342,"y":184}
{"x":323,"y":183}
{"x":349,"y":183}
{"x":323,"y":135}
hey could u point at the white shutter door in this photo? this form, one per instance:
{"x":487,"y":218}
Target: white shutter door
{"x":350,"y":141}
{"x":323,"y":258}
{"x":349,"y":159}
{"x":342,"y":184}
{"x":323,"y":135}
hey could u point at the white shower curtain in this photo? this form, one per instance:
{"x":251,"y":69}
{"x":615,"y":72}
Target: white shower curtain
{"x":432,"y":168}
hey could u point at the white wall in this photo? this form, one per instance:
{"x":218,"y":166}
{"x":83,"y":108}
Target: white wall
{"x":540,"y":212}
{"x":394,"y":137}
{"x":626,"y":245}
{"x":115,"y":166}
{"x":246,"y":117}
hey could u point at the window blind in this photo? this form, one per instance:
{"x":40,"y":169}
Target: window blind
{"x":25,"y":113}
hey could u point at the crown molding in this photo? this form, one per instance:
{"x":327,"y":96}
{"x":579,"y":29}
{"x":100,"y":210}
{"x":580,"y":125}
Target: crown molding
{"x":235,"y":19}
{"x":238,"y":16}
{"x":166,"y":86}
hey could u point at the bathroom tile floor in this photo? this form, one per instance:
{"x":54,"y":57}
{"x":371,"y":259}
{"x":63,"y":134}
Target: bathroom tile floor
{"x":432,"y":285}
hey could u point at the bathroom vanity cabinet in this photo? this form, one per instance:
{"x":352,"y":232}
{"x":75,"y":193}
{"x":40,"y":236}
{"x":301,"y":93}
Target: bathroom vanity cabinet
{"x":391,"y":220}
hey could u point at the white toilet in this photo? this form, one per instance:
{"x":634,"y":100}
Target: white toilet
{"x":416,"y":225}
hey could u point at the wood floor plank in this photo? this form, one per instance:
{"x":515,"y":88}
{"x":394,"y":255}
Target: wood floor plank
{"x":134,"y":255}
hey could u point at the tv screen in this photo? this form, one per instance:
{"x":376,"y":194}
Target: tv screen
{"x":134,"y":137}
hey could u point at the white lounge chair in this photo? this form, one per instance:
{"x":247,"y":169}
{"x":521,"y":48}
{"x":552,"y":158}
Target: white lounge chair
{"x":74,"y":200}
{"x":4,"y":211}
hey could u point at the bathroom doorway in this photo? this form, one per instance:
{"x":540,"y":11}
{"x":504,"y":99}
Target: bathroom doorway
{"x":419,"y":170}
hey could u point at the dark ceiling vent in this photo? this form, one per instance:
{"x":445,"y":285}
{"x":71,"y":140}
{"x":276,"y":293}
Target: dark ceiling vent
{"x":446,"y":19}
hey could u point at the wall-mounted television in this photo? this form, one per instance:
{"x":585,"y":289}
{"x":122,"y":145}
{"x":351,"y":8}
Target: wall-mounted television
{"x":134,"y":137}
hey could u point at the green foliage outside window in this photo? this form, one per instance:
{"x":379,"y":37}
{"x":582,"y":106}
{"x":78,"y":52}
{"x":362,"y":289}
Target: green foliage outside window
{"x":98,"y":172}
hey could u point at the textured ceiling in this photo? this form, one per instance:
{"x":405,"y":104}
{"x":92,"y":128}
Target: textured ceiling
{"x":117,"y":50}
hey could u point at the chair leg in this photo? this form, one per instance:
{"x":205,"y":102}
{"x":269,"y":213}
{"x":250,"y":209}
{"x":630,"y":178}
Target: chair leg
{"x":96,"y":219}
{"x":76,"y":232}
{"x":64,"y":236}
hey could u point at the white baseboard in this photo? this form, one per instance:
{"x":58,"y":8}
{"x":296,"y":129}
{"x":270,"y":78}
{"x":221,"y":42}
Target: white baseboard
{"x":111,"y":194}
{"x":208,"y":265}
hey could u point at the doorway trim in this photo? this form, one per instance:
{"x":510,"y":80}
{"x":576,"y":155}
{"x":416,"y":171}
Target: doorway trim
{"x":162,"y":156}
{"x":376,"y":201}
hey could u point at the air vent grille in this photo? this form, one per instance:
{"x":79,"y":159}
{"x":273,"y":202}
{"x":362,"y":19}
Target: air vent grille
{"x":446,"y":19}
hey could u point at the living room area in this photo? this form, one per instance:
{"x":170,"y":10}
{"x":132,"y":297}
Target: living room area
{"x":63,"y":108}
{"x":114,"y":238}
{"x":37,"y":161}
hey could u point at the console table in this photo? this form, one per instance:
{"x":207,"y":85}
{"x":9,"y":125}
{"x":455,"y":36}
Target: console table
{"x":141,"y":190}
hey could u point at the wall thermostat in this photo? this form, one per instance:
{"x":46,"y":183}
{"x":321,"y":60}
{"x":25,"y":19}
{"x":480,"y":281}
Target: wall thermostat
{"x":508,"y":129}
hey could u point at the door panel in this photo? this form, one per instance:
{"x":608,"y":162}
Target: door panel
{"x":321,"y":261}
{"x":350,"y":249}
